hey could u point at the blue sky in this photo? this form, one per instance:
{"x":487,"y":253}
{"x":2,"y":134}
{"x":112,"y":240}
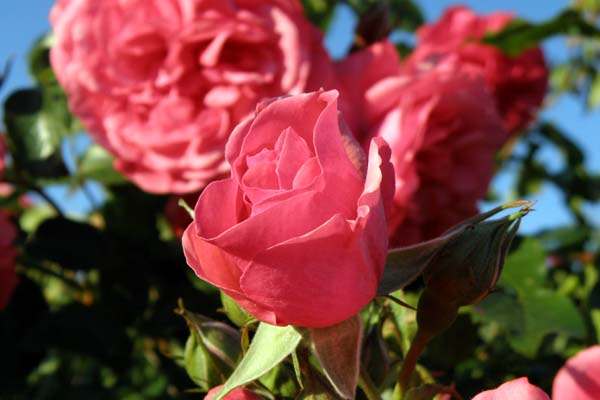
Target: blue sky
{"x":21,"y":22}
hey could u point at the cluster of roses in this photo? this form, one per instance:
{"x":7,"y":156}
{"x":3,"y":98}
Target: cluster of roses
{"x":176,"y":91}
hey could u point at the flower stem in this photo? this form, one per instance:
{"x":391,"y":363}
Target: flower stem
{"x":367,"y":386}
{"x":410,"y":362}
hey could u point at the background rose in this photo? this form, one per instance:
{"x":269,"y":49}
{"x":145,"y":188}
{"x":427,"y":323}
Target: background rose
{"x":300,"y":237}
{"x":517,"y":389}
{"x":518,"y":84}
{"x":579,"y":378}
{"x":356,"y":74}
{"x":162,"y":83}
{"x":444,"y":130}
{"x":8,"y":277}
{"x":235,"y":394}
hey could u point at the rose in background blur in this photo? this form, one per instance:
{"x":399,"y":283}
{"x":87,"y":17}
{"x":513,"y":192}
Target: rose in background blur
{"x":162,"y":84}
{"x":518,"y":83}
{"x":445,"y":111}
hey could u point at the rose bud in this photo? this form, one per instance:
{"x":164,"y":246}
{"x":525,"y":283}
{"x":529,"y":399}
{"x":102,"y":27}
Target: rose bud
{"x":300,"y":237}
{"x":461,"y":272}
{"x":465,"y":269}
{"x":211,"y":351}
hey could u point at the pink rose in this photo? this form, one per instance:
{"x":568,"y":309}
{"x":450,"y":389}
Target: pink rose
{"x":235,"y":394}
{"x":579,"y":378}
{"x":161,"y":84}
{"x":300,"y":235}
{"x":357,"y":73}
{"x":8,"y":277}
{"x":444,"y":130}
{"x":517,"y":389}
{"x":518,"y":83}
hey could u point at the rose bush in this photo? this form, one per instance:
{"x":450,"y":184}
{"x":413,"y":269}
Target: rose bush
{"x":444,"y":129}
{"x":519,"y":83}
{"x":161,"y":84}
{"x":300,"y":236}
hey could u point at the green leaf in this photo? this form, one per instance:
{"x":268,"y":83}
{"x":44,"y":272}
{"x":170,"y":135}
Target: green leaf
{"x":270,"y":345}
{"x":55,"y":105}
{"x":503,"y":310}
{"x":545,"y":312}
{"x":403,"y":265}
{"x":595,"y":316}
{"x":319,"y":12}
{"x":5,"y":71}
{"x":520,"y":35}
{"x":406,"y":15}
{"x":97,"y":164}
{"x":337,"y":348}
{"x":594,"y":95}
{"x":573,"y":154}
{"x":525,"y":268}
{"x":39,"y":60}
{"x":280,"y":381}
{"x":234,"y":312}
{"x":30,"y":134}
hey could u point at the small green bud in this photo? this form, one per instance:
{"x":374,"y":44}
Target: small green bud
{"x":212,"y":350}
{"x":234,"y":312}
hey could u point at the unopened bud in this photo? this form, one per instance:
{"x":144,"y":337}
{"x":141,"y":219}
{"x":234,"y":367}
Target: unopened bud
{"x":212,"y":349}
{"x":235,"y":312}
{"x":468,"y":266}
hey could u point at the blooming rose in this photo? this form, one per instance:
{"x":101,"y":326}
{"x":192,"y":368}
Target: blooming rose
{"x":518,"y":83}
{"x":8,"y":277}
{"x":579,"y":378}
{"x":161,"y":84}
{"x":235,"y":394}
{"x":300,"y":234}
{"x":356,"y":74}
{"x":517,"y":389}
{"x":444,"y":130}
